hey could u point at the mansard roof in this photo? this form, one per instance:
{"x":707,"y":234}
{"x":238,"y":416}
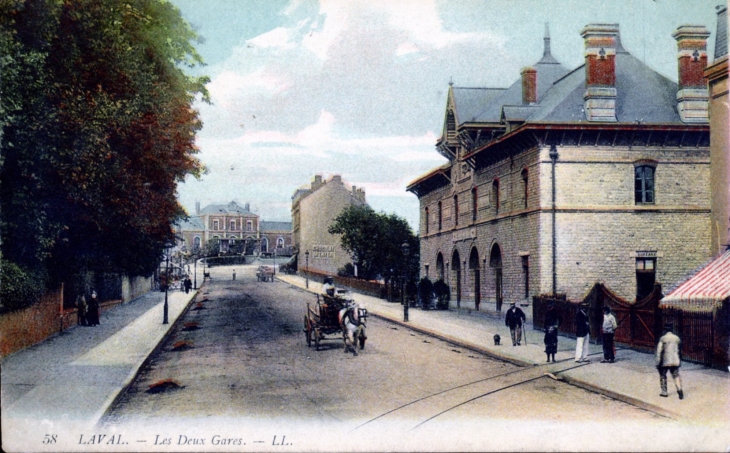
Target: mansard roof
{"x":266,"y":226}
{"x":191,"y":224}
{"x":230,"y":208}
{"x":642,"y":95}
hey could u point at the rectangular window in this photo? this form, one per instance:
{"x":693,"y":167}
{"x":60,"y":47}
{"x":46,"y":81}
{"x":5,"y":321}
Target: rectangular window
{"x":644,"y":184}
{"x":215,"y":224}
{"x":249,"y":225}
{"x":474,"y":204}
{"x":440,"y":216}
{"x":526,"y":272}
{"x":456,"y":210}
{"x":233,"y":225}
{"x":426,"y":220}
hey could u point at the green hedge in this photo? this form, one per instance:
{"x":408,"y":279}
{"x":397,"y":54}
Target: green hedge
{"x":19,"y":287}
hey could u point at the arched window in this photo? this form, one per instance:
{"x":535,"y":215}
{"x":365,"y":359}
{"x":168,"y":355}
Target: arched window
{"x":196,"y":242}
{"x":280,"y":243}
{"x":524,"y":185}
{"x":264,"y":244}
{"x":456,"y":209}
{"x":441,"y":213}
{"x":644,"y":184}
{"x":495,"y":195}
{"x":425,"y":220}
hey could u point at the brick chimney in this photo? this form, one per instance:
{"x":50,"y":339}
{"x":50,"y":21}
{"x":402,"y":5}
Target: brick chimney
{"x":693,"y":94}
{"x":529,"y":86}
{"x":317,"y":182}
{"x":599,"y":100}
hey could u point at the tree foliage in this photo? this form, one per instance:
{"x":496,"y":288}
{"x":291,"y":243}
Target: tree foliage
{"x":97,"y":130}
{"x":375,"y":240}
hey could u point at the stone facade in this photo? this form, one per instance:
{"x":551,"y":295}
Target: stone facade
{"x":313,"y":210}
{"x":628,"y":205}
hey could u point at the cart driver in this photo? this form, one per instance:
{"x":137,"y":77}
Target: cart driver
{"x":328,"y":288}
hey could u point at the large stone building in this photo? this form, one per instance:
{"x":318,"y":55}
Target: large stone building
{"x":230,"y":224}
{"x":314,"y":207}
{"x":571,"y":177}
{"x":717,"y":75}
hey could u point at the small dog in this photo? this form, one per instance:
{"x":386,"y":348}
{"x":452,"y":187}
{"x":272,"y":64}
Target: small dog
{"x":497,"y":339}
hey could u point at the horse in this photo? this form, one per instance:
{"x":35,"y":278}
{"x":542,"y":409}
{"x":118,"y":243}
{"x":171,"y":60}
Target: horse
{"x":352,"y":320}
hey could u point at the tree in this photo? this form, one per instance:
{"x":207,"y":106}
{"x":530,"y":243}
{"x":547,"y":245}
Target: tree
{"x":375,"y":240}
{"x":97,"y":130}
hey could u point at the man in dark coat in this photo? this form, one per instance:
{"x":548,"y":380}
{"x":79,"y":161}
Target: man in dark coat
{"x":188,"y":284}
{"x":582,"y":334}
{"x":514,"y":319}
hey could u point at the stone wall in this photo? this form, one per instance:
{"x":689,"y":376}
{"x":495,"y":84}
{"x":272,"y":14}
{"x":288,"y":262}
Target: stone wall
{"x":135,"y":287}
{"x":22,"y":328}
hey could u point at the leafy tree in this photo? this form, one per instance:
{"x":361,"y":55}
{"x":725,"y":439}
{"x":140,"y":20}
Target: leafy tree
{"x":375,"y":240}
{"x":97,"y":130}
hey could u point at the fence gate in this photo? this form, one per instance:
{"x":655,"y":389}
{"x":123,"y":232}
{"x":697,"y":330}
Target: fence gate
{"x":639,"y":324}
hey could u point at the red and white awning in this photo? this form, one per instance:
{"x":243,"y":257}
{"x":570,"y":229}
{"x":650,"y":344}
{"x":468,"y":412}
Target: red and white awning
{"x":704,"y":291}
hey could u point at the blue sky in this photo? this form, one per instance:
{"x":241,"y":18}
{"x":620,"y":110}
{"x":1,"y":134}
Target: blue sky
{"x":358,"y":87}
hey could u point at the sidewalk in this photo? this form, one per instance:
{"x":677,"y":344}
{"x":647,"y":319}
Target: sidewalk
{"x":75,"y":376}
{"x":632,"y":379}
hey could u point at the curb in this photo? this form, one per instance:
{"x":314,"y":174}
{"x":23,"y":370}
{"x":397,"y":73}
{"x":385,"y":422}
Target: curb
{"x":567,"y":379}
{"x":113,"y":400}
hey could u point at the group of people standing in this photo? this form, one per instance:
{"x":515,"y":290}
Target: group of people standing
{"x":89,"y":309}
{"x":667,"y":356}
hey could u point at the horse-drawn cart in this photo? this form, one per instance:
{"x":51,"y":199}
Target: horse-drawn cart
{"x":265,"y":273}
{"x":335,"y":315}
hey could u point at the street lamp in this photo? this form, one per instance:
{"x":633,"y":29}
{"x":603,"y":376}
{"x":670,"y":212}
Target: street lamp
{"x":274,"y":260}
{"x":306,"y":273}
{"x":195,"y":272}
{"x":406,"y":251}
{"x":167,"y":284}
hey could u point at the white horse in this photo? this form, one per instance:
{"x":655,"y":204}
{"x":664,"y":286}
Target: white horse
{"x":352,"y":320}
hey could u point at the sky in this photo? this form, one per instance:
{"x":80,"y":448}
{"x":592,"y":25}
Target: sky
{"x":358,"y":87}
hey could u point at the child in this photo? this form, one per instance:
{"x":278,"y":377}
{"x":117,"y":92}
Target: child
{"x":551,"y":342}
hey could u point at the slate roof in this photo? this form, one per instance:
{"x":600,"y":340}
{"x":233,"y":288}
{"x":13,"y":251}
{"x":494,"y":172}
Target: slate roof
{"x":469,"y":102}
{"x":191,"y":224}
{"x":274,"y":226}
{"x":230,"y":208}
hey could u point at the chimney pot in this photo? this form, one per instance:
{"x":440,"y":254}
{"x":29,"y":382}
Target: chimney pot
{"x":529,"y":86}
{"x":600,"y":63}
{"x":693,"y":94}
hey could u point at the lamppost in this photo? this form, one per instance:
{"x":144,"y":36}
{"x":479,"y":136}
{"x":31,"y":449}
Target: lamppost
{"x":167,"y":284}
{"x":406,"y":251}
{"x":274,"y":260}
{"x":306,"y":254}
{"x":195,"y":272}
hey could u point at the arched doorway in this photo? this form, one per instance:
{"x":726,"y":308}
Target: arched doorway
{"x":495,"y":262}
{"x":440,"y":267}
{"x":474,"y":267}
{"x":456,"y":267}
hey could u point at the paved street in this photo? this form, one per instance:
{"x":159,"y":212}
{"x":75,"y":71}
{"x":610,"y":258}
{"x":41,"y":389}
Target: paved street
{"x":247,"y":360}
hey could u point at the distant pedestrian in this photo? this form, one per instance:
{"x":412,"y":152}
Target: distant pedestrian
{"x":93,"y":313}
{"x":81,"y":310}
{"x":514,"y":319}
{"x":582,"y":334}
{"x":234,"y":274}
{"x":188,"y":284}
{"x":608,"y":329}
{"x":551,"y":342}
{"x":667,"y":359}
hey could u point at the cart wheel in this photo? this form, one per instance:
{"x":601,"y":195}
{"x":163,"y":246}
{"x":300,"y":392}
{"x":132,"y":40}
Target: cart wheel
{"x":308,"y":331}
{"x":316,"y":339}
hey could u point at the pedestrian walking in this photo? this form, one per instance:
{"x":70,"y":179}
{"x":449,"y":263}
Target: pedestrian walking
{"x":551,"y":342}
{"x":582,"y":334}
{"x":608,"y":329}
{"x":81,"y":310}
{"x":93,"y":314}
{"x":514,"y":319}
{"x":234,"y":274}
{"x":188,"y":284}
{"x":667,"y":359}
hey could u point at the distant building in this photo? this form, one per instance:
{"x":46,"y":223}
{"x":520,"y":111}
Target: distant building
{"x":571,"y":177}
{"x":314,"y":207}
{"x":231,"y":224}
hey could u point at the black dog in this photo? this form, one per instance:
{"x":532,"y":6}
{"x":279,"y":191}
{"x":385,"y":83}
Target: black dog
{"x":497,"y":338}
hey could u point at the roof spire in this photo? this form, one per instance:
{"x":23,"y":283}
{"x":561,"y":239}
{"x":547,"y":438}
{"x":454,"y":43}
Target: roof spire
{"x":546,"y":51}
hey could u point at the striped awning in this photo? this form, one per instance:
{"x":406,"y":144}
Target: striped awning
{"x":704,"y":291}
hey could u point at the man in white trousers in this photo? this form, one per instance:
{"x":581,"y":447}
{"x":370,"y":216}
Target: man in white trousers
{"x":582,"y":334}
